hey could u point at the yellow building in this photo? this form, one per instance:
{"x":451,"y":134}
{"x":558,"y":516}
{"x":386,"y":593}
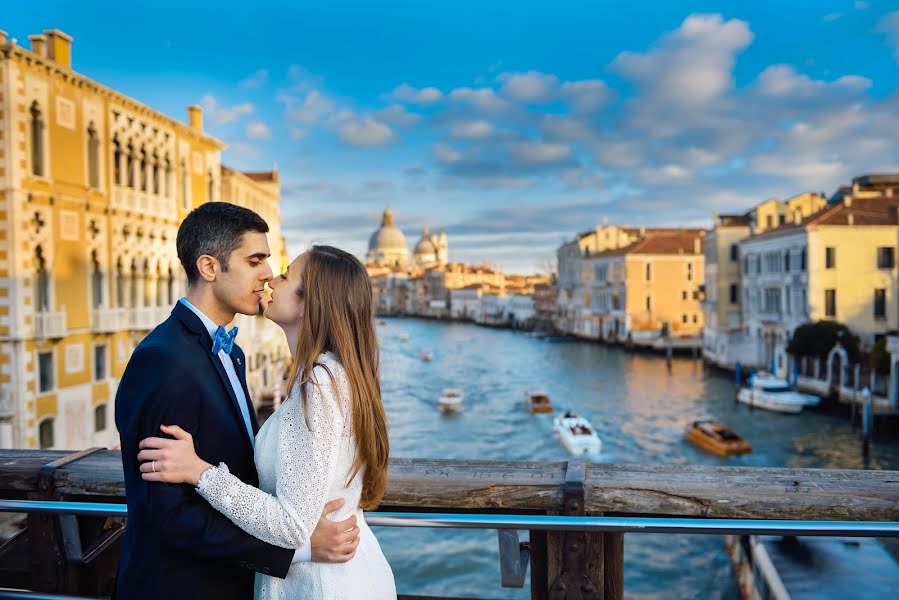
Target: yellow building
{"x":93,"y":186}
{"x":650,"y":286}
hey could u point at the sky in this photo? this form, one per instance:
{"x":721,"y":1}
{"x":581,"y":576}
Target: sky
{"x":511,"y":125}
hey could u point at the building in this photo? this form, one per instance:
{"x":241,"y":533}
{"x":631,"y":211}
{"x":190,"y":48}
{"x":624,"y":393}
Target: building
{"x":93,"y":186}
{"x":546,"y":298}
{"x":724,"y":342}
{"x":387,"y":245}
{"x":431,"y":250}
{"x":837,"y":264}
{"x":648,"y":290}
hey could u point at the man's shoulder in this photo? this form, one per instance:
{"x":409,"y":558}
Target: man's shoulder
{"x":166,"y":344}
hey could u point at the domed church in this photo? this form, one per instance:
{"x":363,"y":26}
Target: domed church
{"x":387,"y":247}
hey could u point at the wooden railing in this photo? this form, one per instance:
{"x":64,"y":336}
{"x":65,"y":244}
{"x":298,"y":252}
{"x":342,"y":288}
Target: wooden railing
{"x":37,"y":559}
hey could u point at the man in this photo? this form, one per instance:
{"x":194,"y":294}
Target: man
{"x":189,"y":372}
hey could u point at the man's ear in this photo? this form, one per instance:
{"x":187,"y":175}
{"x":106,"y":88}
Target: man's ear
{"x":209,"y":267}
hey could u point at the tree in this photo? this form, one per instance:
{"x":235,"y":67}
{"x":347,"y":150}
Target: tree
{"x":818,"y":339}
{"x":879,"y":358}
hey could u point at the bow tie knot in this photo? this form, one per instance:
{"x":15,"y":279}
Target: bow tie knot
{"x":223,"y":340}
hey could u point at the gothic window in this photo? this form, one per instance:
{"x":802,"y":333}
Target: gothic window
{"x":143,"y":170}
{"x":37,"y":140}
{"x":130,"y":165}
{"x":117,"y":162}
{"x":42,"y":281}
{"x":93,"y":156}
{"x":96,"y":281}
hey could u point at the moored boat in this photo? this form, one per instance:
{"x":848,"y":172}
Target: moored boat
{"x":577,"y":434}
{"x":716,"y":437}
{"x":426,"y":356}
{"x":771,"y":393}
{"x":538,"y":401}
{"x":450,"y":400}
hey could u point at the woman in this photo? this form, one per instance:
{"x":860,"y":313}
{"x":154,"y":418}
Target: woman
{"x":328,"y":439}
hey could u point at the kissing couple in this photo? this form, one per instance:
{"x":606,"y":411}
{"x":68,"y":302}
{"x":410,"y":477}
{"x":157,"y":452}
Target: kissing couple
{"x":216,"y":502}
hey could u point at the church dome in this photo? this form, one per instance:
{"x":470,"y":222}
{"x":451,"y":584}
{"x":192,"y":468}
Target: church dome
{"x":388,"y":237}
{"x":425,"y":246}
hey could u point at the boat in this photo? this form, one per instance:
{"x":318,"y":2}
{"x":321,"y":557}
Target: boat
{"x":426,"y":356}
{"x":538,"y":401}
{"x":382,"y":322}
{"x":404,"y":337}
{"x":450,"y":400}
{"x":771,"y":393}
{"x":716,"y":437}
{"x":577,"y":434}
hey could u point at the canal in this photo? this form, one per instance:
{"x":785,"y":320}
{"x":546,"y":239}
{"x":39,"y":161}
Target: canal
{"x":639,"y":408}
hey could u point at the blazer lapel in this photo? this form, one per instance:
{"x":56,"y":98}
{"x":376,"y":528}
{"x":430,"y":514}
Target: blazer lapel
{"x":240,"y":367}
{"x":193,"y":323}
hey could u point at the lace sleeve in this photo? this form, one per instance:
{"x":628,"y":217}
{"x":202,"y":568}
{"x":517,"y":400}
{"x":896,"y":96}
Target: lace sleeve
{"x":307,"y":455}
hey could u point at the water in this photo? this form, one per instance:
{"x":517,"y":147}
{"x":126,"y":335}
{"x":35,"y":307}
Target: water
{"x":639,"y":409}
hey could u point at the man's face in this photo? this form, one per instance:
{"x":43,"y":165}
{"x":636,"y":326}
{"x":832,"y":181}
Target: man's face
{"x":241,"y":287}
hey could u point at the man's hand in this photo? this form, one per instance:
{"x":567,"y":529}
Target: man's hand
{"x":334,"y":542}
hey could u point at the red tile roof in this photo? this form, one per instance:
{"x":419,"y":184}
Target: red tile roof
{"x":677,"y":241}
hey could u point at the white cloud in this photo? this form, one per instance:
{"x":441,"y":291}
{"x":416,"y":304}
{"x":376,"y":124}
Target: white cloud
{"x":406,"y":93}
{"x":257,"y":130}
{"x":471,"y":130}
{"x":446,"y":154}
{"x":309,"y":109}
{"x":396,"y":114}
{"x":256,"y":80}
{"x":484,"y":99}
{"x":530,"y":87}
{"x":784,"y":81}
{"x":298,"y":133}
{"x":538,"y":153}
{"x":665,"y":175}
{"x":586,"y":95}
{"x":365,"y":132}
{"x":222,"y":115}
{"x":889,"y":25}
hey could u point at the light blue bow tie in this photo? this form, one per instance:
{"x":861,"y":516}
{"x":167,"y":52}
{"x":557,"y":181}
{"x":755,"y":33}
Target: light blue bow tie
{"x":223,"y":340}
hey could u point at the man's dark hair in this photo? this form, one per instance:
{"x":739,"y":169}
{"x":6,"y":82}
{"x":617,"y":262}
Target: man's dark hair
{"x":216,"y":229}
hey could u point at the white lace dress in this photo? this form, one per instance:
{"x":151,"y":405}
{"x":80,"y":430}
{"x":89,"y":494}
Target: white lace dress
{"x":301,"y":468}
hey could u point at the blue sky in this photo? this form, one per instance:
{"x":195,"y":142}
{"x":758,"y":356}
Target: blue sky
{"x":512,"y":125}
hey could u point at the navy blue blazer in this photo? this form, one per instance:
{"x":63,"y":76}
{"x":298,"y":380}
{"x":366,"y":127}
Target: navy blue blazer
{"x":176,"y":546}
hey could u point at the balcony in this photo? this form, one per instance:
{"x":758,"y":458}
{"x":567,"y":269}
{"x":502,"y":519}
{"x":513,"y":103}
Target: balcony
{"x":50,"y":324}
{"x":143,"y":318}
{"x":109,"y":320}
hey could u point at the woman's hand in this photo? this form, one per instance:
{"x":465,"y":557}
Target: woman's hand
{"x":171,"y":461}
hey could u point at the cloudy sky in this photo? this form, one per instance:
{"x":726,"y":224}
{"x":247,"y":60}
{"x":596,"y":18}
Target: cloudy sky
{"x":511,"y":125}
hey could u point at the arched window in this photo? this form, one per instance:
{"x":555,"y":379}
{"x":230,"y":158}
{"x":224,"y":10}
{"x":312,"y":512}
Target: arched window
{"x":185,"y":198}
{"x":117,"y":161}
{"x":130,"y":165}
{"x":93,"y":156}
{"x":100,"y":418}
{"x":42,"y":281}
{"x":133,"y":296}
{"x":96,"y":280}
{"x":155,"y":173}
{"x":161,"y":287}
{"x":210,"y":183}
{"x":171,"y":287}
{"x":167,"y":182}
{"x":37,"y":140}
{"x":143,"y":170}
{"x":45,"y":433}
{"x":145,"y":283}
{"x":119,"y":285}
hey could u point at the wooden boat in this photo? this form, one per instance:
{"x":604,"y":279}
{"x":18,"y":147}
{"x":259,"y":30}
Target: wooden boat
{"x":716,"y":437}
{"x":577,"y":434}
{"x":450,"y":400}
{"x":538,"y":401}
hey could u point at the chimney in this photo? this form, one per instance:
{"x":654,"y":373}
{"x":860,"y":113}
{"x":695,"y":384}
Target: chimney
{"x":697,"y":248}
{"x":59,"y":47}
{"x":38,"y":44}
{"x":851,"y":219}
{"x":847,"y":200}
{"x":195,"y":117}
{"x":3,"y":35}
{"x":888,"y":193}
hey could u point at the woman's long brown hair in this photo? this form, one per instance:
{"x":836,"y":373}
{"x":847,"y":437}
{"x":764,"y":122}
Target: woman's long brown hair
{"x":338,"y":318}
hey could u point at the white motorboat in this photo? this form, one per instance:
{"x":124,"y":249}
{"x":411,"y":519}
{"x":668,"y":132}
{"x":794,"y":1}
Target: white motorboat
{"x":404,"y":337}
{"x":771,"y":393}
{"x":577,"y":434}
{"x":426,"y":356}
{"x":450,"y":400}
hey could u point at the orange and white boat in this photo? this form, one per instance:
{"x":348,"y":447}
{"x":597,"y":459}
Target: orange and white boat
{"x":716,"y":437}
{"x":538,"y":401}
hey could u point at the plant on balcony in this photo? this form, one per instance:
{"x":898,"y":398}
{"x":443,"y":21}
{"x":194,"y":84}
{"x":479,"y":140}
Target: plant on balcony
{"x":818,"y":339}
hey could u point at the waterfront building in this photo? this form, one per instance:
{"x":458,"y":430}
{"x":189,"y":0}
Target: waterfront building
{"x":836,"y":264}
{"x":431,"y":250}
{"x":648,"y":290}
{"x":93,"y":186}
{"x":546,"y":300}
{"x":387,"y":245}
{"x":724,"y":340}
{"x":465,"y":302}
